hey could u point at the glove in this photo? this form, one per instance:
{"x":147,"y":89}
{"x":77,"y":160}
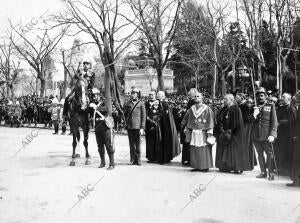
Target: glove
{"x":142,"y":131}
{"x":271,"y":138}
{"x":93,"y":105}
{"x":256,"y":112}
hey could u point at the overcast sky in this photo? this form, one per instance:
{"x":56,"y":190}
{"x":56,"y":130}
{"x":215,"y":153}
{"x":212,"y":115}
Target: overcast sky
{"x":26,"y":9}
{"x":23,"y":11}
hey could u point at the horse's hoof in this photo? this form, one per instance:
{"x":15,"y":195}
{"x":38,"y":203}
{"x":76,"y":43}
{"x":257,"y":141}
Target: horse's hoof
{"x":87,"y":162}
{"x":72,"y":163}
{"x":77,"y":156}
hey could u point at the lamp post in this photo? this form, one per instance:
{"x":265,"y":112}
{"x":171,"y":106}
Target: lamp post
{"x":242,"y":71}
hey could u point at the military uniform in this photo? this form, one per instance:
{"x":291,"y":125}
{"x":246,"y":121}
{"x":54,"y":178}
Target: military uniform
{"x":263,"y":126}
{"x":104,"y":136}
{"x":10,"y":114}
{"x":90,"y":78}
{"x":135,"y":114}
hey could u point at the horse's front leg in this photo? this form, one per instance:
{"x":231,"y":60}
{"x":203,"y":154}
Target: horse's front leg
{"x":77,"y":149}
{"x":74,"y":144}
{"x":86,"y":145}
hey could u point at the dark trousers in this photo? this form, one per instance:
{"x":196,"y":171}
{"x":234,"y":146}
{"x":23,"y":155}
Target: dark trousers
{"x":135,"y":145}
{"x":104,"y":138}
{"x":185,"y":153}
{"x":261,"y":147}
{"x":64,"y":127}
{"x":56,"y":125}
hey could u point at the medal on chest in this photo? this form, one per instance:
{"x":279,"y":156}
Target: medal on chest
{"x":200,"y":121}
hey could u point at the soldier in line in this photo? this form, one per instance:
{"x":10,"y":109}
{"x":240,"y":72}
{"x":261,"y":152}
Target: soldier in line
{"x":55,"y":115}
{"x":104,"y":132}
{"x":264,"y":132}
{"x":135,"y":114}
{"x":17,"y":114}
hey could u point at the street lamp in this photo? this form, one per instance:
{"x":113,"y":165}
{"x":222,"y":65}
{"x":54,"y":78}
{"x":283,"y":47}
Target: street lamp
{"x":242,"y":71}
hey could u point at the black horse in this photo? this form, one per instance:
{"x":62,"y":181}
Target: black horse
{"x":78,"y":112}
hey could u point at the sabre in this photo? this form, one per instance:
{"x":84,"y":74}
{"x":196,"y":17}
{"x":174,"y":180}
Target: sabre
{"x":274,"y":160}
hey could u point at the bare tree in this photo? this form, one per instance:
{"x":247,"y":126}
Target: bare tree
{"x":158,"y":21}
{"x":254,"y":11}
{"x":8,"y":67}
{"x":208,"y":27}
{"x":102,"y":22}
{"x":283,"y":14}
{"x":36,"y":51}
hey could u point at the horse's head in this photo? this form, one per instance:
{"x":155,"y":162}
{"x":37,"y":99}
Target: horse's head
{"x":80,"y":97}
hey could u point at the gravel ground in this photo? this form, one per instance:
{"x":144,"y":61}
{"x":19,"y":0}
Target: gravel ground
{"x":38,"y":185}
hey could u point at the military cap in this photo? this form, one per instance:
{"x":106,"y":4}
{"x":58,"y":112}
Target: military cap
{"x":135,"y":90}
{"x":261,"y":90}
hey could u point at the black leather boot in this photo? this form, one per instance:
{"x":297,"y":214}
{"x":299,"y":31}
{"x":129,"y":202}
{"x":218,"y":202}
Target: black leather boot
{"x":262,"y":175}
{"x":102,"y":157}
{"x":111,"y":161}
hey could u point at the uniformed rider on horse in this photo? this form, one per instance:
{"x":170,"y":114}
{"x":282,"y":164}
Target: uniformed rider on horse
{"x":89,"y":79}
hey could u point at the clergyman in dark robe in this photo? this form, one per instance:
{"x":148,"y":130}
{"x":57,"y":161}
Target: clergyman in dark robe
{"x":247,"y":110}
{"x":230,"y":155}
{"x":153,"y":132}
{"x":185,"y":158}
{"x":295,"y":170}
{"x":286,"y":116}
{"x":169,"y":144}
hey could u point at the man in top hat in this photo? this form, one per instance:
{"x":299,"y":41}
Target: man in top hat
{"x":264,"y":132}
{"x":135,"y":114}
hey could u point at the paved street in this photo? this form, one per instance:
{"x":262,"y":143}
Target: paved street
{"x":38,"y":185}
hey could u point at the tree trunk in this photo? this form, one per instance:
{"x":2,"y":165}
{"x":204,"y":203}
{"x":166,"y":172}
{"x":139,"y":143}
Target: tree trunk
{"x":160,"y":79}
{"x":64,"y":92}
{"x":278,"y":71}
{"x":107,"y":92}
{"x":233,"y":77}
{"x":223,"y":84}
{"x":8,"y":92}
{"x":214,"y":79}
{"x":196,"y":79}
{"x":43,"y":87}
{"x":12,"y":90}
{"x":259,"y":74}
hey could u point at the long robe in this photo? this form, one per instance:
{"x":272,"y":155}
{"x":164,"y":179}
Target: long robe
{"x":202,"y":121}
{"x":283,"y":147}
{"x":247,"y":111}
{"x":295,"y":173}
{"x":185,"y":158}
{"x":232,"y":156}
{"x":153,"y":133}
{"x":169,"y":144}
